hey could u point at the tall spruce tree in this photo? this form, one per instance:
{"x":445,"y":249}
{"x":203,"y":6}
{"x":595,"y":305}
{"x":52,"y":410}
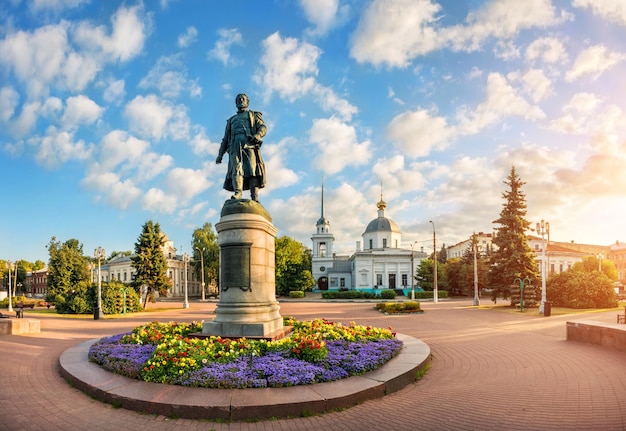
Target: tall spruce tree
{"x":514,"y":258}
{"x":149,"y":262}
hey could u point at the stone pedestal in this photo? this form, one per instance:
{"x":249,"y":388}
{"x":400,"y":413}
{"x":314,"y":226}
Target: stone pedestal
{"x":247,"y":306}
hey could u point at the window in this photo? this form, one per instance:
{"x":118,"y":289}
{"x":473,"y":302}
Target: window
{"x":371,"y":244}
{"x":384,"y":242}
{"x":322,"y":249}
{"x":405,"y":280}
{"x":342,"y":282}
{"x":379,"y":279}
{"x":333,"y":282}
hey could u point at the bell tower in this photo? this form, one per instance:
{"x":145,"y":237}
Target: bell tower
{"x":323,"y":240}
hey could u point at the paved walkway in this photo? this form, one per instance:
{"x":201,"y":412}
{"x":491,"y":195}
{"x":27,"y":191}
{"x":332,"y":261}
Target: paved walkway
{"x":491,"y":370}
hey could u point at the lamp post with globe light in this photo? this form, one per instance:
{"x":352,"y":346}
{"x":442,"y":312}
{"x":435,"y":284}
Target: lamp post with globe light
{"x":475,"y":247}
{"x":186,"y":301}
{"x":412,"y":274}
{"x":99,"y":254}
{"x":10,"y":266}
{"x":543,"y":229}
{"x":435,"y":294}
{"x":202,"y":268}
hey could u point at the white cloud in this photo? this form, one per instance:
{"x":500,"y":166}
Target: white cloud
{"x":55,"y":5}
{"x":275,"y":156}
{"x":393,"y":32}
{"x":117,"y":193}
{"x":501,"y":20}
{"x":614,"y":10}
{"x":114,"y":92}
{"x":502,"y":101}
{"x":150,"y":117}
{"x":547,"y":49}
{"x":169,"y":76}
{"x":417,"y":133}
{"x":323,"y":14}
{"x":289,"y":68}
{"x":227,"y":38}
{"x":188,"y":37}
{"x":338,"y":146}
{"x":537,"y":84}
{"x":26,"y":119}
{"x":131,"y":157}
{"x":594,"y":61}
{"x":36,"y":58}
{"x":586,"y":113}
{"x":186,"y":183}
{"x":156,"y":200}
{"x":58,"y":147}
{"x":126,"y":39}
{"x":80,"y":110}
{"x":397,"y":178}
{"x":201,"y":145}
{"x":9,"y":99}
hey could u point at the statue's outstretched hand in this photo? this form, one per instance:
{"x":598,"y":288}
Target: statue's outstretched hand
{"x":218,"y":160}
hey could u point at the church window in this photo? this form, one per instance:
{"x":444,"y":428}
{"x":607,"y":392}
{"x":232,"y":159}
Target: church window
{"x":384,"y":242}
{"x":405,"y":280}
{"x":342,"y":282}
{"x":322,"y":249}
{"x":379,"y":279}
{"x":371,"y":244}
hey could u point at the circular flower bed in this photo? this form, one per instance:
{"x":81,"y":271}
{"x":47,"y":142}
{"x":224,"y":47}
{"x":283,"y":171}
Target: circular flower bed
{"x":316,"y":351}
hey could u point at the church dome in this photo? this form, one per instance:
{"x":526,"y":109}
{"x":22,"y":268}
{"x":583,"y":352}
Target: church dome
{"x":382,"y":223}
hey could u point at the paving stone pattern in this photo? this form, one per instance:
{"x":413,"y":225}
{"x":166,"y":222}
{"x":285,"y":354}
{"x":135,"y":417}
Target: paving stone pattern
{"x":491,"y":370}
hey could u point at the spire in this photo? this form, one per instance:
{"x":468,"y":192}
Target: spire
{"x":323,"y":198}
{"x":381,"y":204}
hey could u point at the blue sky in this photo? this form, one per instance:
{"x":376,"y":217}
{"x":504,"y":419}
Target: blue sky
{"x":111,"y":114}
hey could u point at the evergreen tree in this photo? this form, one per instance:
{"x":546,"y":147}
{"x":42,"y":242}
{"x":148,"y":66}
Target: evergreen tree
{"x":514,"y":258}
{"x":204,"y":243}
{"x":149,"y":262}
{"x":67,"y":267}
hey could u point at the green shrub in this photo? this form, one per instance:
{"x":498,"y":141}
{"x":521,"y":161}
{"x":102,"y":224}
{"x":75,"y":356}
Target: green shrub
{"x":347,"y":294}
{"x":399,"y":307}
{"x":388,"y":294}
{"x":578,"y":289}
{"x":296,"y":294}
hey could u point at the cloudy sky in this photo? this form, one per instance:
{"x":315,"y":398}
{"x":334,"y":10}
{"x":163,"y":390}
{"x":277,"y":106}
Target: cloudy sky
{"x":111,"y":114}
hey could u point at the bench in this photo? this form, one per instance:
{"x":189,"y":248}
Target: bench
{"x":621,"y":318}
{"x":30,"y":305}
{"x":3,"y":316}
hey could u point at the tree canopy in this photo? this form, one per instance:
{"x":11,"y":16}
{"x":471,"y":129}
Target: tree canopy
{"x":206,"y":250}
{"x":67,"y":266}
{"x":293,"y":266}
{"x":149,"y":262}
{"x":513,"y":258}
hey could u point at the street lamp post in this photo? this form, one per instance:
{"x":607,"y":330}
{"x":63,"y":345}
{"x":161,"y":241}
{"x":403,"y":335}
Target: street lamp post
{"x":435,"y":294}
{"x":185,"y":260}
{"x":475,"y":247}
{"x":412,"y":274}
{"x":202,"y":268}
{"x":99,"y":254}
{"x":10,"y":266}
{"x":543,"y":229}
{"x":600,"y":257}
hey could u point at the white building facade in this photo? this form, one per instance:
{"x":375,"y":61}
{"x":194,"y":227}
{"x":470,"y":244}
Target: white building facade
{"x":120,"y":268}
{"x":381,"y":264}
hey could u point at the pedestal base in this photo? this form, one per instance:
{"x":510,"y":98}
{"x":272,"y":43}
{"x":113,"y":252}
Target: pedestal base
{"x":247,"y":305}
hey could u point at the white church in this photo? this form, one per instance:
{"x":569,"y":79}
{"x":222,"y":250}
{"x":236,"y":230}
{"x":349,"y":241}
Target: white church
{"x":381,"y":264}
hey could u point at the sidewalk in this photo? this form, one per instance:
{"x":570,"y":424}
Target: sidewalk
{"x":491,"y":370}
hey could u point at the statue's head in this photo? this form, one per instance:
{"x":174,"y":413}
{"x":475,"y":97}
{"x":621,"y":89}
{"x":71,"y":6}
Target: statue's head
{"x":242,"y":102}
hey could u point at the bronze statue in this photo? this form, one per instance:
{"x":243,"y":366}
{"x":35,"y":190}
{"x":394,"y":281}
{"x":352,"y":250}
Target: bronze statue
{"x":242,"y":141}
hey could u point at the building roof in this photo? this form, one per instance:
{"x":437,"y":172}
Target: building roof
{"x":382,"y":223}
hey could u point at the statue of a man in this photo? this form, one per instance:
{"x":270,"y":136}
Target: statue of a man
{"x":242,"y":141}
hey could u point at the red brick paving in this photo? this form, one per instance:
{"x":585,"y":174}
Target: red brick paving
{"x":491,"y":370}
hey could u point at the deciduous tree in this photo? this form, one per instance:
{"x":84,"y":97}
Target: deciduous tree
{"x":293,"y":266}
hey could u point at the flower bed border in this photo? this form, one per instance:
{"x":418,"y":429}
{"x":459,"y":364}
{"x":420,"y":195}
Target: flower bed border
{"x":242,"y":404}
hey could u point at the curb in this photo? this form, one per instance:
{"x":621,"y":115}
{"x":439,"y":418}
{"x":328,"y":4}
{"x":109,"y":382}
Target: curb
{"x":242,"y":404}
